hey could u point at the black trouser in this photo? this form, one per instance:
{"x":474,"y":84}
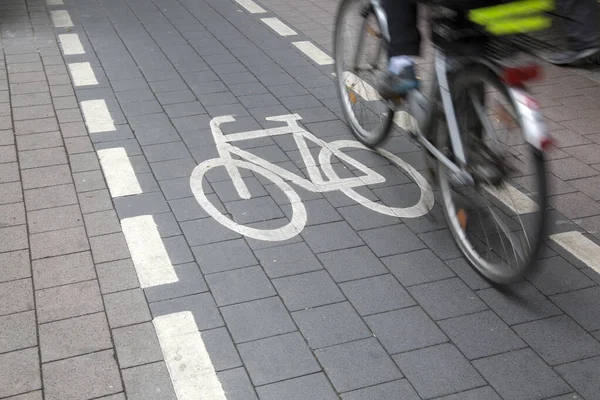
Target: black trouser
{"x":583,"y":26}
{"x":402,"y":23}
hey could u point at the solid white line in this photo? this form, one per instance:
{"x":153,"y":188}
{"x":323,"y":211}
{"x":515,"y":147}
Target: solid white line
{"x":251,"y":6}
{"x":581,"y":247}
{"x":191,"y":370}
{"x":82,"y":74}
{"x":150,"y":258}
{"x":97,"y":117}
{"x":279,"y":27}
{"x":71,"y":44}
{"x":514,"y":199}
{"x":119,"y":173}
{"x":55,"y":2}
{"x":312,"y":51}
{"x":61,"y":19}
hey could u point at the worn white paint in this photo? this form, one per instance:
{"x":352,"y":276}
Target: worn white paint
{"x":280,"y":176}
{"x":70,"y":43}
{"x":581,"y":247}
{"x":251,"y":6}
{"x":512,"y":198}
{"x":360,"y":87}
{"x":150,"y":258}
{"x":314,"y":53}
{"x":55,"y":2}
{"x":61,"y":19}
{"x":188,"y":361}
{"x":82,"y":74}
{"x":97,"y":117}
{"x":119,"y":173}
{"x":279,"y":27}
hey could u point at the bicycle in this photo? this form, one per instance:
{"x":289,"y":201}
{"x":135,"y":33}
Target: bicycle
{"x":315,"y":183}
{"x":472,"y":165}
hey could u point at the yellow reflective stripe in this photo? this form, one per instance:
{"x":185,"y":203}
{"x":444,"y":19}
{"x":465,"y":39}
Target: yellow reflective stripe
{"x":488,"y":14}
{"x":514,"y":26}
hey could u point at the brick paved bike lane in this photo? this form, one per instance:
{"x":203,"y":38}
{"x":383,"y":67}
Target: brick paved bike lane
{"x":117,"y":284}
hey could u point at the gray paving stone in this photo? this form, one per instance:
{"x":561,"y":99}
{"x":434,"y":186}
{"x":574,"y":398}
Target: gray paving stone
{"x":137,"y":345}
{"x":254,"y":210}
{"x":126,"y":308}
{"x":469,"y":276}
{"x":9,"y":172}
{"x":313,"y":386}
{"x":361,"y":218}
{"x":482,"y":393}
{"x":575,"y":205}
{"x":239,"y":285}
{"x":350,"y":264}
{"x":556,"y":275}
{"x":102,"y":223}
{"x":329,"y":237}
{"x":391,"y":240}
{"x":39,"y":141}
{"x":8,"y":154}
{"x":10,"y":192}
{"x":62,"y":270}
{"x":16,"y":265}
{"x":357,"y":364}
{"x":87,"y":376}
{"x":287,"y":260}
{"x":223,"y":354}
{"x":174,"y":97}
{"x":12,"y":214}
{"x":441,"y":243}
{"x":17,"y":331}
{"x":521,"y":375}
{"x":400,"y":389}
{"x":417,"y":267}
{"x":73,"y":129}
{"x":439,"y":370}
{"x":46,"y":176}
{"x":89,"y":181}
{"x":190,"y":282}
{"x":37,"y":395}
{"x":202,"y":306}
{"x":330,"y":325}
{"x":19,"y":372}
{"x":74,"y":337}
{"x":98,"y":200}
{"x":153,"y":129}
{"x":447,"y":298}
{"x":68,"y":301}
{"x":52,"y":219}
{"x":257,"y":319}
{"x":308,"y":290}
{"x":581,"y":375}
{"x":223,"y":256}
{"x":570,"y":168}
{"x":227,"y":192}
{"x":236,"y":385}
{"x":30,"y":99}
{"x":110,"y":247}
{"x":377,"y":294}
{"x":166,"y":151}
{"x":77,"y":145}
{"x":84,"y":162}
{"x":481,"y":335}
{"x":581,"y":305}
{"x":16,"y":296}
{"x":277,"y":358}
{"x":117,"y":276}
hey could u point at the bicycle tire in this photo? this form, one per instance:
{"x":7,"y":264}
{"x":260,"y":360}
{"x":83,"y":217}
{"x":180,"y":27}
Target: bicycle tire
{"x":370,"y":138}
{"x":497,"y":275}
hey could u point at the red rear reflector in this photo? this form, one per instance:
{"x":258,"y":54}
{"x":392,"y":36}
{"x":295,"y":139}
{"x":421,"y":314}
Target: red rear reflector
{"x":547,"y":144}
{"x":516,"y":76}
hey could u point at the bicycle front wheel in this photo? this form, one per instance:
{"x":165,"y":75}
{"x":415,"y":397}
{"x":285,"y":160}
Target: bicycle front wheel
{"x":360,"y":55}
{"x":498,"y":224}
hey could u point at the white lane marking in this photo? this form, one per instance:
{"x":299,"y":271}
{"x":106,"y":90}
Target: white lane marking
{"x":581,"y":247}
{"x":119,"y":172}
{"x":279,"y":27}
{"x":362,"y":88}
{"x":191,"y":370}
{"x":150,"y":258}
{"x":71,"y":44}
{"x":251,"y":6}
{"x":312,"y":51}
{"x":97,"y":117}
{"x":55,"y":2}
{"x":82,"y":74}
{"x":61,"y":19}
{"x":514,"y":199}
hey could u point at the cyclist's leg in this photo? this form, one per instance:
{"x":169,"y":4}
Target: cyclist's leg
{"x":405,"y":42}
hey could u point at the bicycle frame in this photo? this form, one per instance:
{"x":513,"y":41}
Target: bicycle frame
{"x":315,"y":183}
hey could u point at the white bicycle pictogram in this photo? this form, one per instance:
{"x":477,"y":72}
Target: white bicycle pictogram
{"x":279,"y":176}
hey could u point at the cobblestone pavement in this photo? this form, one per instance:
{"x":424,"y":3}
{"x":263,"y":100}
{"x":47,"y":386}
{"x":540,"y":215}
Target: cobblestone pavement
{"x":115,"y":283}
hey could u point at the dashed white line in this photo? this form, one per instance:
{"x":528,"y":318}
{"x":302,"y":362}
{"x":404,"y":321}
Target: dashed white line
{"x":55,"y":2}
{"x":97,"y":117}
{"x":312,"y":51}
{"x":514,"y":199}
{"x":251,"y":6}
{"x":150,"y":258}
{"x":119,"y":172}
{"x":82,"y":74}
{"x":61,"y":19}
{"x":71,"y":44}
{"x":187,"y":359}
{"x":279,"y":27}
{"x":581,"y":247}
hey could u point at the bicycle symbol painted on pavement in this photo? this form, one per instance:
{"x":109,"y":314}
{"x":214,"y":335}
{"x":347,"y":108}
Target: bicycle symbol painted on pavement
{"x":315,"y":183}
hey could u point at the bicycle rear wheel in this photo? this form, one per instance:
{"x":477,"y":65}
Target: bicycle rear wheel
{"x":498,"y":225}
{"x":360,"y":54}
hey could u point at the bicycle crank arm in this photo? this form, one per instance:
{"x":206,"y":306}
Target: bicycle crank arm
{"x":462,"y":176}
